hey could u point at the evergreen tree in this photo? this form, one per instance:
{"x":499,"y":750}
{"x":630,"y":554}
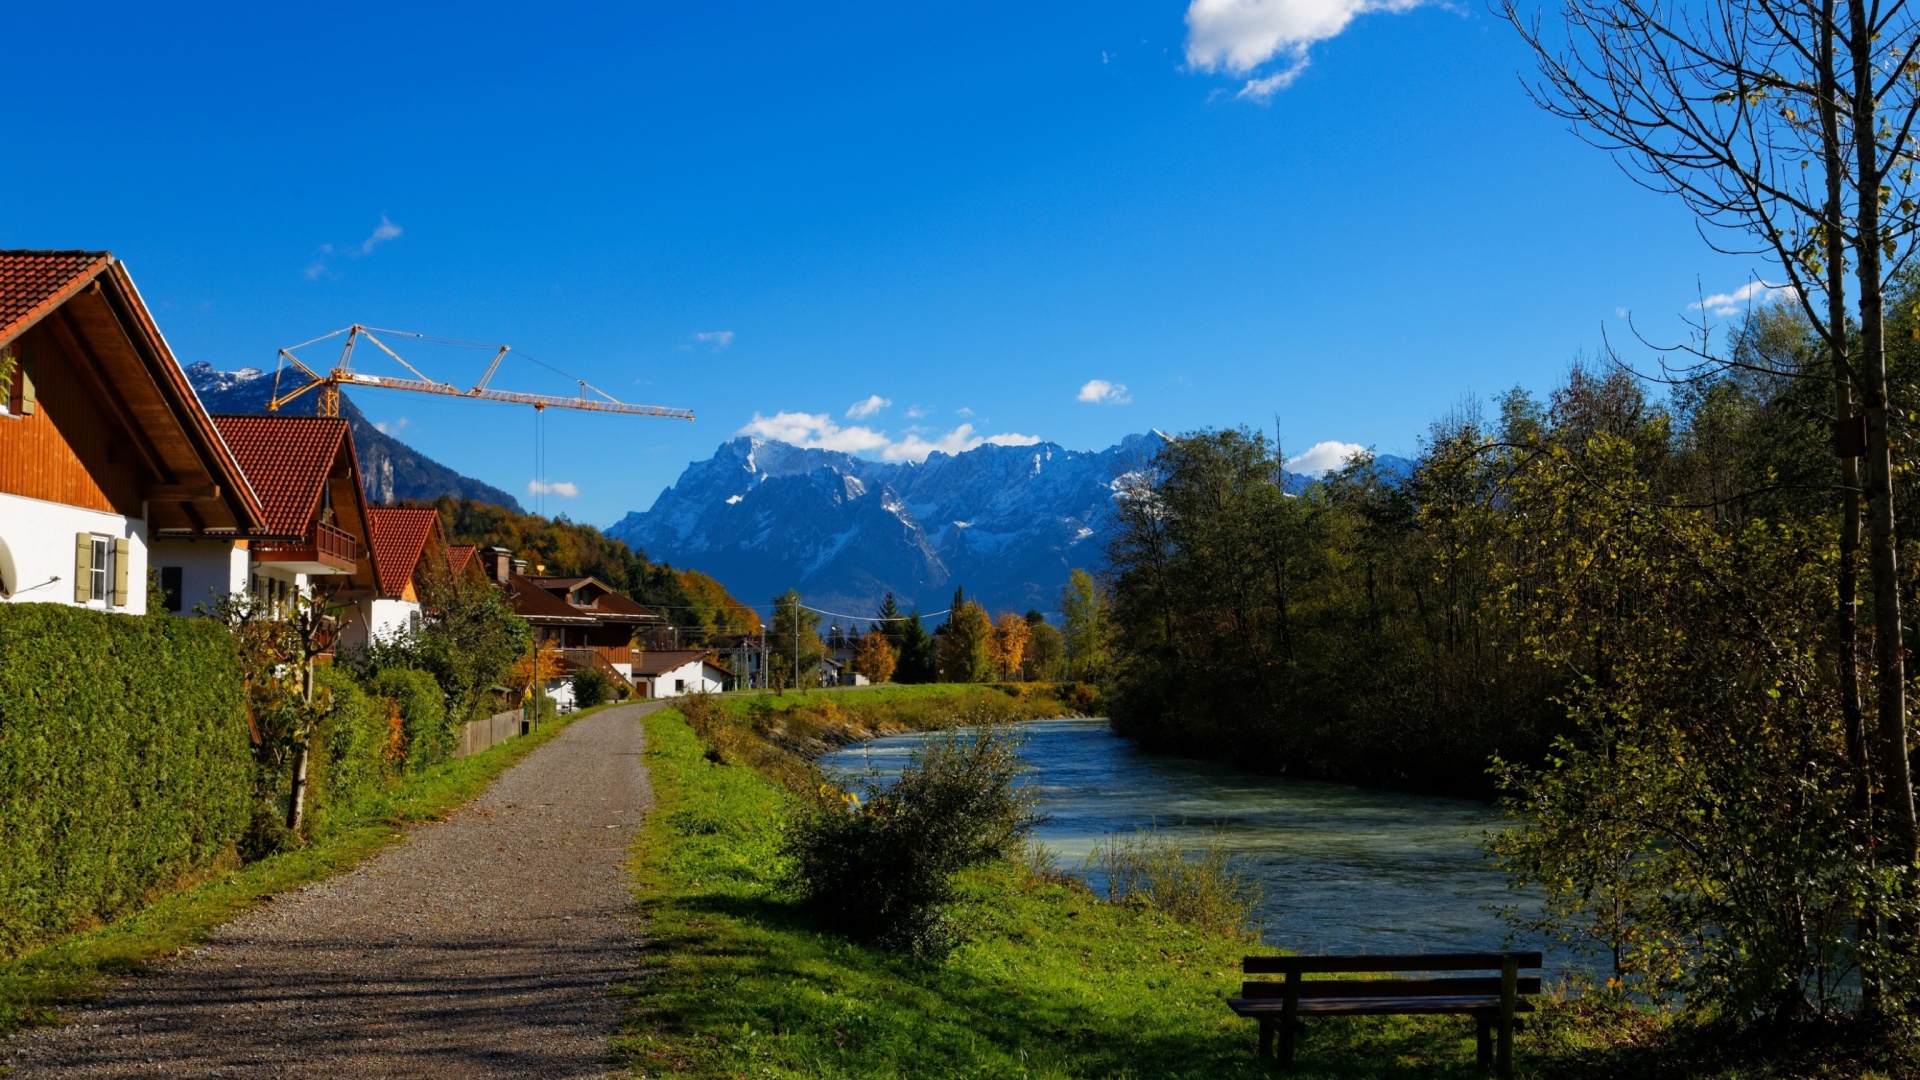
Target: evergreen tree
{"x":914,"y":656}
{"x":889,"y":622}
{"x":795,"y":636}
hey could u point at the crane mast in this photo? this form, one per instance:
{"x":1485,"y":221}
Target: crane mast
{"x":342,"y":373}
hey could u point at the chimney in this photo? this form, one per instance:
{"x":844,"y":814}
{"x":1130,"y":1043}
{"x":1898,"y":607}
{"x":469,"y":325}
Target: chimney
{"x":502,"y":563}
{"x":520,"y":566}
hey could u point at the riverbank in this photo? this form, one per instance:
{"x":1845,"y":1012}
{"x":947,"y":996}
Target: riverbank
{"x":35,"y":987}
{"x":1055,"y":982}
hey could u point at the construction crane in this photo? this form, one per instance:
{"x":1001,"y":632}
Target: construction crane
{"x":342,"y":374}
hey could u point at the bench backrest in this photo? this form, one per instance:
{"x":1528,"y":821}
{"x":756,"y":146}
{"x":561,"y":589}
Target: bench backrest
{"x":1296,"y":967}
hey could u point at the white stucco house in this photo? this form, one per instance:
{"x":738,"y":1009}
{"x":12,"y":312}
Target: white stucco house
{"x":671,"y":673}
{"x":109,"y":467}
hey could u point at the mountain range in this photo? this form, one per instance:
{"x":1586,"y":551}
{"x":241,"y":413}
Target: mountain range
{"x":391,"y":469}
{"x":1004,"y":523}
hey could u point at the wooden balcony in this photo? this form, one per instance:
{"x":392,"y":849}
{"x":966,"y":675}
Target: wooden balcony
{"x":326,"y":550}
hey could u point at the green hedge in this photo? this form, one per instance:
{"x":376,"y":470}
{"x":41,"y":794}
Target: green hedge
{"x":124,"y":762}
{"x":426,"y":728}
{"x":351,"y":762}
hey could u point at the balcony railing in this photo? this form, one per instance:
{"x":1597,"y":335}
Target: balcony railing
{"x":325,"y":545}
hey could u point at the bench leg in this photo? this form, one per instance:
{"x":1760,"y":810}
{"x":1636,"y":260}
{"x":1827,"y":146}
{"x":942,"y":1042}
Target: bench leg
{"x":1503,"y":1056}
{"x":1288,"y":1026}
{"x":1266,"y":1039}
{"x":1483,"y":1035}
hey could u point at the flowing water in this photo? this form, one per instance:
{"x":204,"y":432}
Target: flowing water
{"x":1344,"y":869}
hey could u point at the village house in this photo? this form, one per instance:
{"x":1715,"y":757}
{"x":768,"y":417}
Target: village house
{"x":409,"y":546}
{"x":109,"y":468}
{"x":674,"y":672}
{"x":307,"y":477}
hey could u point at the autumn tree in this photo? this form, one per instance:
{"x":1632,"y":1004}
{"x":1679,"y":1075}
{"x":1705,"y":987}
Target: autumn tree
{"x":1045,"y":649}
{"x":966,"y":645}
{"x":875,"y":658}
{"x":1010,"y":636}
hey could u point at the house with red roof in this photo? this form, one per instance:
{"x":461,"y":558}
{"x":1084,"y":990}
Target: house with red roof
{"x":409,"y":546}
{"x":317,"y":535}
{"x":109,"y":468}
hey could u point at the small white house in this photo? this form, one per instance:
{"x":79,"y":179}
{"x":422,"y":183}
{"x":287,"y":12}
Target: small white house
{"x":673,"y":673}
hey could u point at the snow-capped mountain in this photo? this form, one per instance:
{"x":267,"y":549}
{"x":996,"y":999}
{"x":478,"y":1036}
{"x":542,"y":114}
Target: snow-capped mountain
{"x":392,"y":469}
{"x":1005,"y":523}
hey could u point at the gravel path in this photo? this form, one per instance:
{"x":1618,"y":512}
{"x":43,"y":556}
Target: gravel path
{"x":481,"y":946}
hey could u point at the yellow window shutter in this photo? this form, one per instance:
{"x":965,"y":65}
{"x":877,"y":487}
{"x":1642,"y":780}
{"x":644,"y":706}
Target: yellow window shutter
{"x":82,"y":567}
{"x":122,"y":555}
{"x":27,"y":394}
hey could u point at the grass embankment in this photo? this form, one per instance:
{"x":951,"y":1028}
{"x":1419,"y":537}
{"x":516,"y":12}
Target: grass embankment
{"x":35,"y":986}
{"x":1054,"y":982}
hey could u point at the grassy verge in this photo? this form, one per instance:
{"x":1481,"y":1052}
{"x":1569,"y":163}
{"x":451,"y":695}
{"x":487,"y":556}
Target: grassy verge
{"x":36,"y":985}
{"x":1054,"y":983}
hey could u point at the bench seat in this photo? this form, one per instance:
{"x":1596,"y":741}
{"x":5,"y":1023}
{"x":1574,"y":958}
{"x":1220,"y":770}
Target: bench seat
{"x":1464,"y":1004}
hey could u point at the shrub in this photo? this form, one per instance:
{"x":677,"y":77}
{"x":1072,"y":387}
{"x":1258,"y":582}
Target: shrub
{"x":1209,"y":890}
{"x":590,"y":687}
{"x":426,"y":732}
{"x":882,"y":870}
{"x":124,"y":762}
{"x":350,"y":764}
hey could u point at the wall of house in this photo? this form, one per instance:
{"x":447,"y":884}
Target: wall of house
{"x":36,"y":544}
{"x":380,"y":619}
{"x":66,"y":451}
{"x":209,"y":568}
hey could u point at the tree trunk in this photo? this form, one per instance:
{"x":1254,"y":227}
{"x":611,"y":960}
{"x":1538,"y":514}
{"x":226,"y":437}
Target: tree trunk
{"x":1846,"y":423}
{"x":1889,"y":647}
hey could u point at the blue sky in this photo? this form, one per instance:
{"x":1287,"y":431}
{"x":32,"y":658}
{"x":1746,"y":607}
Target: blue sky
{"x":970,"y":217}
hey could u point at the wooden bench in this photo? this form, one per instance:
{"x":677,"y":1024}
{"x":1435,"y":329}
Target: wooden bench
{"x":1493,"y":1001}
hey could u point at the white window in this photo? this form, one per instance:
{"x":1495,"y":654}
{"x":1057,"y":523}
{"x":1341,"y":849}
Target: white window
{"x":99,"y":576}
{"x":679,"y":686}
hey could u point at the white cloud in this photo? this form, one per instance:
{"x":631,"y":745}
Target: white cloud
{"x":1239,"y":36}
{"x":815,"y":431}
{"x":566,"y":489}
{"x":860,"y":410}
{"x":1322,"y":458}
{"x":819,"y":431}
{"x":719,"y":339}
{"x":1102,"y":392}
{"x":963,"y":411}
{"x":1752,"y":294}
{"x":382,"y":233}
{"x":392,"y":427}
{"x":915,"y":412}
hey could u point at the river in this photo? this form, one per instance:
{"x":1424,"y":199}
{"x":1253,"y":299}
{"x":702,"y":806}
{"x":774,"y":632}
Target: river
{"x":1344,"y":869}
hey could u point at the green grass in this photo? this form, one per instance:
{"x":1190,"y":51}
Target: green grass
{"x":35,"y":986}
{"x":1054,"y":983}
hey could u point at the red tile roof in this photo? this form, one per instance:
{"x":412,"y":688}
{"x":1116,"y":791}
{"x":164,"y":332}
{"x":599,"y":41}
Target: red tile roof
{"x":458,"y":556}
{"x":399,"y":539}
{"x":652,"y":663}
{"x":33,"y":283}
{"x":286,"y":460}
